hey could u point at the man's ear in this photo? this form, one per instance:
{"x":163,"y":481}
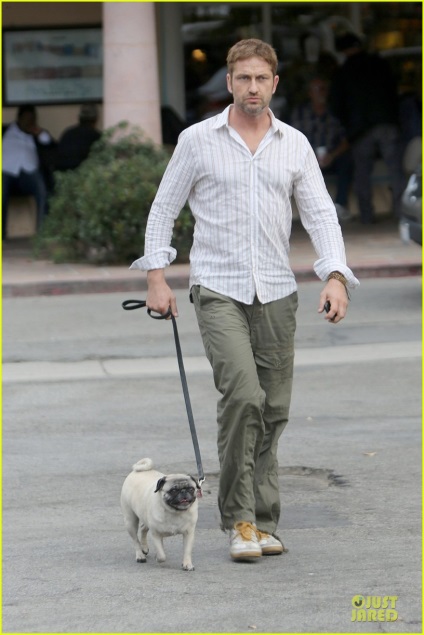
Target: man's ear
{"x":276,"y":80}
{"x":229,"y":87}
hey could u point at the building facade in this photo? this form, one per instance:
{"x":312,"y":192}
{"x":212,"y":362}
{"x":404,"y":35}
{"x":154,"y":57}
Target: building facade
{"x":172,"y":55}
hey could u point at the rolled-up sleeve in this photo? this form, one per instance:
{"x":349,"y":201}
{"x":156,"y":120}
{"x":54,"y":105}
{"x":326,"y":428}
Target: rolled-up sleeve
{"x":319,"y":218}
{"x":171,"y":197}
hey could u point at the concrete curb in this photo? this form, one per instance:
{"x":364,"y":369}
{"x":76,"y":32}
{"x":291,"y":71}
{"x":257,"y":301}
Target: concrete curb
{"x":179,"y":281}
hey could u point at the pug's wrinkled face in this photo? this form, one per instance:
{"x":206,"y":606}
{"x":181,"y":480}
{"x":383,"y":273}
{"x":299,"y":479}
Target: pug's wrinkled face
{"x":179,"y":494}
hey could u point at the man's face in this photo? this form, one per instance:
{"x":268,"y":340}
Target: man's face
{"x":318,"y":91}
{"x":252,"y":85}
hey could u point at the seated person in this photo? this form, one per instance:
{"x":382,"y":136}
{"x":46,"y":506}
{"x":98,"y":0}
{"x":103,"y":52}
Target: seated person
{"x":25,"y":147}
{"x":76,"y":141}
{"x":327,"y":137}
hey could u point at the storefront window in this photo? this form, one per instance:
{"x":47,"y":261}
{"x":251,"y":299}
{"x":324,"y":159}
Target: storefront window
{"x":303,"y":35}
{"x":208,"y":32}
{"x":394,"y":29}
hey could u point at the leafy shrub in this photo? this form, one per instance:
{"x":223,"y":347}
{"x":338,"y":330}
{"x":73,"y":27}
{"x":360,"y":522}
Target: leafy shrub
{"x":98,"y":212}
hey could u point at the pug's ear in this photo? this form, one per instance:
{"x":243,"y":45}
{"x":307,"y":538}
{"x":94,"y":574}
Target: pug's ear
{"x":199,"y":493}
{"x":160,"y":484}
{"x":195,"y":480}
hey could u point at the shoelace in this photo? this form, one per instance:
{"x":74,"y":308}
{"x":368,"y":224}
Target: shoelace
{"x":246,"y":530}
{"x":262,"y":535}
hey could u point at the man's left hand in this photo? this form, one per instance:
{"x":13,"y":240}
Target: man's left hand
{"x":335,"y":293}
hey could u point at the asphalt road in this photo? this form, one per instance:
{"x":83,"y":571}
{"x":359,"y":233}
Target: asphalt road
{"x":89,"y":389}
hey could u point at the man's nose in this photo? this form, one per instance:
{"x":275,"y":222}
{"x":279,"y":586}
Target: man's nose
{"x":253,"y":87}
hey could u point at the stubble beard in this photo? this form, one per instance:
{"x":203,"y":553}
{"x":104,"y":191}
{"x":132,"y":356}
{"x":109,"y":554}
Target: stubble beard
{"x":254,"y":110}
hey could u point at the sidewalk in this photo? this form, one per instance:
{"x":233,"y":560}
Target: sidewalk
{"x":372,"y":251}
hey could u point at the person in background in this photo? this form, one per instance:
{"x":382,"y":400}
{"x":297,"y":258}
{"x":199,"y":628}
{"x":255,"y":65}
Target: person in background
{"x":410,"y":106}
{"x":312,"y":60}
{"x":327,"y":137}
{"x":24,"y":167}
{"x":75,"y":143}
{"x":363,"y":96}
{"x":238,"y":171}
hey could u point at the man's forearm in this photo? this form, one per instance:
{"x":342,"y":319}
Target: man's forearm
{"x":155,"y":276}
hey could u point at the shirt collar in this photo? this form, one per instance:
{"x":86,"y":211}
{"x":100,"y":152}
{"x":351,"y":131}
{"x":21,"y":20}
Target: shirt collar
{"x":276,"y":124}
{"x":221,"y":120}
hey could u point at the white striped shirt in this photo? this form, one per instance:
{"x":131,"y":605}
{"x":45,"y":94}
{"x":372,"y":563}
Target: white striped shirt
{"x":20,"y":151}
{"x":241,"y":204}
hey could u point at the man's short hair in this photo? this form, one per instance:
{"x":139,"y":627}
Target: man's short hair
{"x":252,"y":48}
{"x":88,"y":112}
{"x":26,"y":108}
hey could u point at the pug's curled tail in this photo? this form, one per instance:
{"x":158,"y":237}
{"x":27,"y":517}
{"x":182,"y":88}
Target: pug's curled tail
{"x":144,"y":465}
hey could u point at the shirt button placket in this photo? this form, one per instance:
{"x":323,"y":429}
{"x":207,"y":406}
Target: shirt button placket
{"x":254,"y":226}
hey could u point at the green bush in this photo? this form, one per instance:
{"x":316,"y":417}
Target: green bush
{"x":98,"y":212}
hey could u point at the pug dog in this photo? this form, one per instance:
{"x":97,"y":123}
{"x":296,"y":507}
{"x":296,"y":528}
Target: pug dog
{"x":165,"y":505}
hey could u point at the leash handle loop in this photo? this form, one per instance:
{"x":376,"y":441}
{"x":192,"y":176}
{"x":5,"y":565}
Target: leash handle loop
{"x":130,"y":305}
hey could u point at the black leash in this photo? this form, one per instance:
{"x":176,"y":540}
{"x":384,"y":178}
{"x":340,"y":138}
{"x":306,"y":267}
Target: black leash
{"x":130,"y":305}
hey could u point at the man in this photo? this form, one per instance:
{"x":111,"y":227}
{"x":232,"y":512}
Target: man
{"x":22,"y":170}
{"x":76,"y":141}
{"x":364,"y":98}
{"x":326,"y":135}
{"x":238,"y":171}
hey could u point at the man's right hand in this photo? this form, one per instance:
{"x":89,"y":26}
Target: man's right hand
{"x":160,"y":297}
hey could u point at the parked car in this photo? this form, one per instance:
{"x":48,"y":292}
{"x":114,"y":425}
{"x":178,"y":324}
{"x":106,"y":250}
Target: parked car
{"x":411,"y":214}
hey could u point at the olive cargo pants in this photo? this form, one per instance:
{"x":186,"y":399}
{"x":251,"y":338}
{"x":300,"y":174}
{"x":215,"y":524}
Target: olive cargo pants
{"x":251,"y":351}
